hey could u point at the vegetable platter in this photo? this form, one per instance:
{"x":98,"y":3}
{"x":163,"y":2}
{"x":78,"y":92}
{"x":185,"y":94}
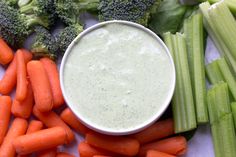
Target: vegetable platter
{"x":200,"y":36}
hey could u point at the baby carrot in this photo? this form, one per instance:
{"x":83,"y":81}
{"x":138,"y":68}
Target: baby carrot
{"x":40,"y":85}
{"x":64,"y":154}
{"x":52,"y":152}
{"x":21,"y":86}
{"x":101,"y":156}
{"x":23,"y":109}
{"x":34,"y":125}
{"x":8,"y":81}
{"x":18,"y":127}
{"x":154,"y":153}
{"x":51,"y":119}
{"x":156,"y":131}
{"x":121,"y":145}
{"x":6,"y":53}
{"x":5,"y":114}
{"x":87,"y":150}
{"x":40,"y":140}
{"x":174,"y":145}
{"x":53,"y":76}
{"x":68,"y":117}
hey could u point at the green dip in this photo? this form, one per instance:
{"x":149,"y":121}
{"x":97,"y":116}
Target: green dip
{"x":117,"y":77}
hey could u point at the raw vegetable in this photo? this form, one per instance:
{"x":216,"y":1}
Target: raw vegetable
{"x":5,"y":114}
{"x":44,"y":44}
{"x":53,"y":76}
{"x":233,"y":108}
{"x":129,"y":10}
{"x":221,"y":120}
{"x":174,"y":145}
{"x":8,"y":81}
{"x":213,"y":73}
{"x":193,"y":30}
{"x":51,"y":119}
{"x":121,"y":145}
{"x":6,"y":53}
{"x":182,"y":101}
{"x":158,"y":130}
{"x":154,"y":153}
{"x":12,"y":3}
{"x":64,"y":154}
{"x":66,"y":36}
{"x":218,"y":33}
{"x":40,"y":85}
{"x":86,"y":150}
{"x":168,"y":17}
{"x":21,"y":85}
{"x":69,"y":118}
{"x":34,"y":125}
{"x":18,"y":127}
{"x":52,"y":152}
{"x":23,"y":108}
{"x":23,"y":2}
{"x":40,"y":140}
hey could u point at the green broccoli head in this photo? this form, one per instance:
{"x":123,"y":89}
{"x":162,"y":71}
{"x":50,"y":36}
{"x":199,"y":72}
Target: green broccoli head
{"x":66,"y":36}
{"x":43,"y":9}
{"x":69,"y":10}
{"x":12,"y":3}
{"x":130,"y":10}
{"x":44,"y":44}
{"x":13,"y":26}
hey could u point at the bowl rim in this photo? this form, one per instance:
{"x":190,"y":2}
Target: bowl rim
{"x":150,"y":121}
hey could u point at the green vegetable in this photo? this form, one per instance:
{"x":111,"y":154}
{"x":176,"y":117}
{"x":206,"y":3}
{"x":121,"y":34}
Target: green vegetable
{"x":221,"y":120}
{"x":23,"y":2}
{"x":182,"y":102}
{"x":129,"y":10}
{"x":233,"y":108}
{"x":44,"y":44}
{"x":168,"y":17}
{"x":213,"y":73}
{"x":69,"y":10}
{"x":66,"y":36}
{"x":43,"y":9}
{"x":15,"y":27}
{"x":193,"y":30}
{"x":218,"y":35}
{"x":12,"y":3}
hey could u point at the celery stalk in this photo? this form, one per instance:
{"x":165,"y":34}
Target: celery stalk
{"x":218,"y":41}
{"x":182,"y":103}
{"x":233,"y":108}
{"x":213,"y":73}
{"x":193,"y":29}
{"x":220,"y":15}
{"x":230,"y":3}
{"x":228,"y":76}
{"x":221,"y":120}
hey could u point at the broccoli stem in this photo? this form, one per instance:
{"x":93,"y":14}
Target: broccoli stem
{"x":29,"y":8}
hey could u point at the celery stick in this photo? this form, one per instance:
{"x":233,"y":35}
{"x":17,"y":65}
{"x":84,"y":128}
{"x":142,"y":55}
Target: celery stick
{"x":213,"y":73}
{"x":220,"y":15}
{"x":228,"y":76}
{"x":230,"y":3}
{"x":227,"y":133}
{"x":216,"y":38}
{"x":233,"y":108}
{"x":182,"y":103}
{"x":215,"y":131}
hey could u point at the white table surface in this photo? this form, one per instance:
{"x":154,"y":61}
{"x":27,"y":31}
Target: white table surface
{"x":201,"y":143}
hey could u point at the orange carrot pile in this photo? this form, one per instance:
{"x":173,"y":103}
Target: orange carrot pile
{"x":51,"y":119}
{"x":156,"y":131}
{"x":5,"y":113}
{"x":68,"y":117}
{"x":6,"y":53}
{"x":174,"y":145}
{"x":40,"y":140}
{"x":53,"y":76}
{"x":121,"y":145}
{"x":40,"y":85}
{"x":18,"y":127}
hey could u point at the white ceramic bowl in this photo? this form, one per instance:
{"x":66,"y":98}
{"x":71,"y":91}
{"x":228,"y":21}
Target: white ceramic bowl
{"x":125,"y":131}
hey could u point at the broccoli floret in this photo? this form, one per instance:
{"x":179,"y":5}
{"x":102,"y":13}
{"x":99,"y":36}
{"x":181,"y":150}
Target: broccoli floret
{"x":12,"y":3}
{"x":130,"y":10}
{"x":44,"y":44}
{"x":43,"y":9}
{"x":69,"y":10}
{"x":66,"y":36}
